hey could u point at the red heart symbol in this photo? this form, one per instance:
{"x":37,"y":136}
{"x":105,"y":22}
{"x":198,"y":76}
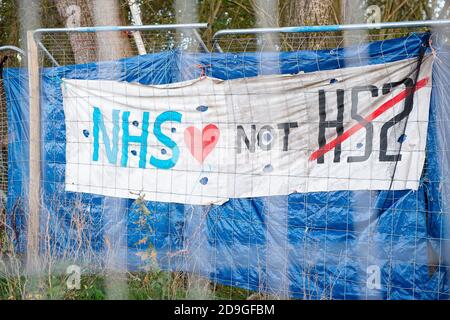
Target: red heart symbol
{"x":201,"y":144}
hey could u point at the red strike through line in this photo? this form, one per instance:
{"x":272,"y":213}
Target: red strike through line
{"x":381,"y":109}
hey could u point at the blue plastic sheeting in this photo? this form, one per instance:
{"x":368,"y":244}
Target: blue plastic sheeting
{"x":315,"y":245}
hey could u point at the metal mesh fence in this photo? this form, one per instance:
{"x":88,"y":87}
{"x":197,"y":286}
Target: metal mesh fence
{"x":3,"y":133}
{"x":59,"y":49}
{"x":71,"y":225}
{"x":9,"y":57}
{"x":292,"y":41}
{"x":143,"y":215}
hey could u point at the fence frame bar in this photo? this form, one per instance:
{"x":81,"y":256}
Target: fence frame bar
{"x":13,"y":48}
{"x":330,"y":28}
{"x":47,"y":53}
{"x":124,"y":28}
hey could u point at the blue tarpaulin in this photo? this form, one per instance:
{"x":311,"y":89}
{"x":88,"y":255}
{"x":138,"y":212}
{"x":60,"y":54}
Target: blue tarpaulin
{"x":314,"y":245}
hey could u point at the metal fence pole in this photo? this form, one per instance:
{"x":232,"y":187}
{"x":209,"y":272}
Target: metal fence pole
{"x":12,"y":48}
{"x":35,"y":155}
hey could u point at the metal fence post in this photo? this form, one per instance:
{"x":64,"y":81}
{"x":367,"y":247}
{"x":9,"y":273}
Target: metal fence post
{"x":35,"y":155}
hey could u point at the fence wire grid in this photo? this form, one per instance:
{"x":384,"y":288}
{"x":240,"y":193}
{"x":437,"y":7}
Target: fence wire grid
{"x":101,"y":233}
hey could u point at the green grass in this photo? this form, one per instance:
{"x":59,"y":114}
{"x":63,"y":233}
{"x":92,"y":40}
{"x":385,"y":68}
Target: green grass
{"x":139,"y":286}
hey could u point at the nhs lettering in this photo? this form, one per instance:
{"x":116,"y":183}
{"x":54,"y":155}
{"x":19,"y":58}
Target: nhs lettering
{"x":121,"y":121}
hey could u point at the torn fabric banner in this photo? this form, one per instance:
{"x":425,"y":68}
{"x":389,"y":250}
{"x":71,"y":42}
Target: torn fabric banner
{"x":207,"y":140}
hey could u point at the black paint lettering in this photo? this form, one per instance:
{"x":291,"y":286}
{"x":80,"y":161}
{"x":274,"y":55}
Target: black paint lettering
{"x":387,"y":87}
{"x":409,"y":84}
{"x":250,"y":144}
{"x":265,"y":144}
{"x":367,"y":125}
{"x":324,"y":124}
{"x":286,"y":129}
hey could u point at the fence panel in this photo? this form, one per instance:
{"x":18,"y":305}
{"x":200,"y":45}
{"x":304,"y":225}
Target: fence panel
{"x":310,"y":242}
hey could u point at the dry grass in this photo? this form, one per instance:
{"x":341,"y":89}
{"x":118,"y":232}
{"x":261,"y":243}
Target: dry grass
{"x":51,"y":282}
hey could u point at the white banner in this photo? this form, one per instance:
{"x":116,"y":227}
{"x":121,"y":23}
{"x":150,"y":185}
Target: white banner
{"x":207,"y":140}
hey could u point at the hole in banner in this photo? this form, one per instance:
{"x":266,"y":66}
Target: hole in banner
{"x":202,"y":108}
{"x":204,"y":180}
{"x":267,"y":137}
{"x":268,"y":168}
{"x":86,"y":133}
{"x":402,"y":138}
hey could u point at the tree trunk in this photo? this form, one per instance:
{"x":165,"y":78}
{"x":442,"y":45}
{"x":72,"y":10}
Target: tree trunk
{"x":76,"y":13}
{"x":88,"y":47}
{"x":310,"y":13}
{"x":110,"y":45}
